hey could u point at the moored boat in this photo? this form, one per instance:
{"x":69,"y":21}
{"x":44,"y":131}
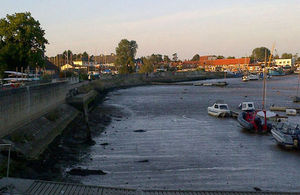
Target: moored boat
{"x":286,"y":134}
{"x":219,"y":110}
{"x":251,"y":119}
{"x":296,"y":99}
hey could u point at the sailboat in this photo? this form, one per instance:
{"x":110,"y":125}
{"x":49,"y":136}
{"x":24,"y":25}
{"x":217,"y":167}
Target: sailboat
{"x":256,"y":120}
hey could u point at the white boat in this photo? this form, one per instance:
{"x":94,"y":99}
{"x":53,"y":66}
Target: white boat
{"x":219,"y":110}
{"x":291,"y":112}
{"x":245,"y":78}
{"x":247,"y":106}
{"x":250,"y":77}
{"x":286,"y":134}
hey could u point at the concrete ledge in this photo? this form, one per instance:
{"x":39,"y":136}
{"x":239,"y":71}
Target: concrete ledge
{"x":33,"y":138}
{"x":32,"y":187}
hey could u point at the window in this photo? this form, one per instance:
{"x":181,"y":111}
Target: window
{"x":250,"y":105}
{"x":223,"y":107}
{"x":216,"y":106}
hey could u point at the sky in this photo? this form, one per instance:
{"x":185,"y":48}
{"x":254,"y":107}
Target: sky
{"x":185,"y":27}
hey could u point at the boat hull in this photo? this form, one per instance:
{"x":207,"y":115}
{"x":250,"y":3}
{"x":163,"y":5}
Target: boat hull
{"x":218,"y":113}
{"x":245,"y":124}
{"x":296,"y":99}
{"x":284,"y":140}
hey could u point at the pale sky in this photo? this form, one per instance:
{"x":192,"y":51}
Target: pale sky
{"x":221,"y":27}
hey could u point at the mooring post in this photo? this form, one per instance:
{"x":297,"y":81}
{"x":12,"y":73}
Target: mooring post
{"x":86,"y":118}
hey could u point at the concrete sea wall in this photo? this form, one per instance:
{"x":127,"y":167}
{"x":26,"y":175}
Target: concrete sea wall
{"x":20,"y":106}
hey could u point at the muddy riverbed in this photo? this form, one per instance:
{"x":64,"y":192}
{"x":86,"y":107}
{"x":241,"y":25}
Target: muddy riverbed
{"x":162,"y":137}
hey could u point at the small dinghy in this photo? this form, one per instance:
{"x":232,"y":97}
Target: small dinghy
{"x":219,"y":110}
{"x":286,"y":134}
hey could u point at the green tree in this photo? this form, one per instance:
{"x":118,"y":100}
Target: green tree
{"x":147,"y":67}
{"x":166,"y":59}
{"x":260,"y":53}
{"x":196,"y":57}
{"x":125,"y":53}
{"x":230,"y":57}
{"x":85,"y":56}
{"x":287,"y":56}
{"x":220,"y":57}
{"x":155,"y":58}
{"x":67,"y":56}
{"x":22,"y":42}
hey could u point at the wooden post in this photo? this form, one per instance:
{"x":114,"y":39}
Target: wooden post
{"x":86,"y":118}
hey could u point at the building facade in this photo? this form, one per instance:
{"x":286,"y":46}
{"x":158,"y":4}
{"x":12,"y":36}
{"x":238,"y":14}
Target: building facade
{"x":284,"y":62}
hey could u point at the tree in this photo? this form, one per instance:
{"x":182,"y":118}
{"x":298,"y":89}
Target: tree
{"x":230,"y":57}
{"x":220,"y":57}
{"x":22,"y":42}
{"x":260,"y":53}
{"x":85,"y":56}
{"x":125,"y":53}
{"x":287,"y":56}
{"x":67,"y":56}
{"x":167,"y":59}
{"x":147,"y":67}
{"x":175,"y":57}
{"x":196,"y":57}
{"x":155,"y":58}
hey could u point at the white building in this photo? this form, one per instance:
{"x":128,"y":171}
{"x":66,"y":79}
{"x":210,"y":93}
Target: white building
{"x":284,"y":62}
{"x":83,"y":63}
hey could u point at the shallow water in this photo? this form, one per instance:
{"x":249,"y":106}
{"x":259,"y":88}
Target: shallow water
{"x":185,"y":148}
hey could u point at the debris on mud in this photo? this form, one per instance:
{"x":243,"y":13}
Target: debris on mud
{"x":85,"y":172}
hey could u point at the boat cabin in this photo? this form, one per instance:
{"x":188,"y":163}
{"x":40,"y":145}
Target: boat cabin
{"x":220,"y":106}
{"x":248,"y":106}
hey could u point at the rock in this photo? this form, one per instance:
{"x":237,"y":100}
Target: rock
{"x":257,"y":189}
{"x":85,"y":172}
{"x":139,"y":131}
{"x":143,"y":161}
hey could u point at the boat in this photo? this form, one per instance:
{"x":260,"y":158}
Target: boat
{"x":296,"y":99}
{"x":245,"y":78}
{"x":291,"y":112}
{"x":251,"y":119}
{"x":276,"y":72}
{"x":286,"y":134}
{"x":219,"y":110}
{"x":250,"y":77}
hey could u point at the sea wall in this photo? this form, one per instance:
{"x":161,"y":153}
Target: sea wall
{"x":19,"y":106}
{"x":108,"y":82}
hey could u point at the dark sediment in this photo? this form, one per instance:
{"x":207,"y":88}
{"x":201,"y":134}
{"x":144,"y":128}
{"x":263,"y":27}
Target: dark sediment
{"x":85,"y":172}
{"x":139,"y":131}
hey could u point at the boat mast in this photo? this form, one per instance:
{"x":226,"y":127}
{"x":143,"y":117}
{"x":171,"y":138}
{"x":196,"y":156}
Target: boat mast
{"x":266,"y":66}
{"x":264,"y":81}
{"x":298,"y":84}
